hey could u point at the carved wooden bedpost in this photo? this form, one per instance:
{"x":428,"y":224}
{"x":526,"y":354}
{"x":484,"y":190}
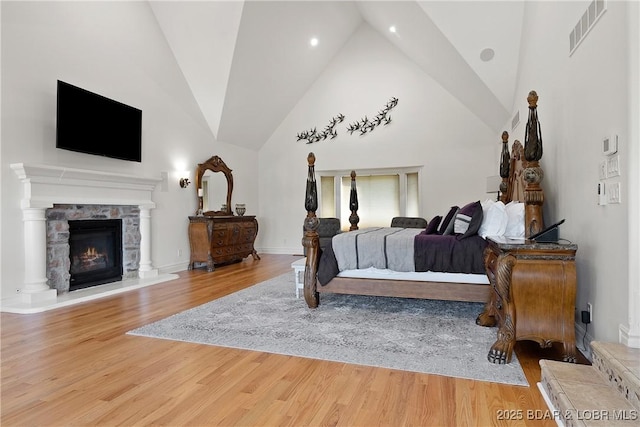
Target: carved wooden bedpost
{"x":353,"y":203}
{"x":533,"y":174}
{"x":311,"y":240}
{"x":505,"y":159}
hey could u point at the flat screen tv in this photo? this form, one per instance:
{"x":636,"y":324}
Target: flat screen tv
{"x":90,"y":123}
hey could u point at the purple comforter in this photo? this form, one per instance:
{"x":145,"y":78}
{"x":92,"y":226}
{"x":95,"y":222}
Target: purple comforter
{"x":434,"y":252}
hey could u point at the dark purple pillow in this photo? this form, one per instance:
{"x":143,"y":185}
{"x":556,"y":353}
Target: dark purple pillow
{"x":468,"y":220}
{"x":448,"y":220}
{"x":432,"y":227}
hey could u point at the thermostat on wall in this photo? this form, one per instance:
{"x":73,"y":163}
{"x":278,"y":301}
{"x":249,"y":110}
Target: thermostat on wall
{"x":610,"y":145}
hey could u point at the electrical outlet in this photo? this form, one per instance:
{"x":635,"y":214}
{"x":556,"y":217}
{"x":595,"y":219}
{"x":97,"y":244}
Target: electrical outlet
{"x":179,"y":253}
{"x":590,"y":310}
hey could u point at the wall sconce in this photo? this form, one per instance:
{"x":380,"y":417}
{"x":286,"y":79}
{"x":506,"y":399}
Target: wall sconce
{"x":184,"y":182}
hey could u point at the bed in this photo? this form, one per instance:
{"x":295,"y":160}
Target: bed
{"x":326,"y":271}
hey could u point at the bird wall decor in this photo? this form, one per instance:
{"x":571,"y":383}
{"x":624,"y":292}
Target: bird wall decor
{"x":365,"y":124}
{"x":312,"y":135}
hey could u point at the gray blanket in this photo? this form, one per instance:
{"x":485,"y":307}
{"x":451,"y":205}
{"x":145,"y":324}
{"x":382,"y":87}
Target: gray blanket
{"x":385,"y":247}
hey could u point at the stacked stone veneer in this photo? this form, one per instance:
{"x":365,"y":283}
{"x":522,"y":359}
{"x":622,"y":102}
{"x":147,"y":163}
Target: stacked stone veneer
{"x":58,"y":217}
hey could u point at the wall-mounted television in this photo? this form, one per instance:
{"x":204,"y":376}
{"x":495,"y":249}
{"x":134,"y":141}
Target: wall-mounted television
{"x":90,"y":123}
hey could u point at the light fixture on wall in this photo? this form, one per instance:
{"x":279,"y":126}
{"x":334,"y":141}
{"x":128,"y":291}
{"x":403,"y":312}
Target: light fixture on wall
{"x":184,"y":182}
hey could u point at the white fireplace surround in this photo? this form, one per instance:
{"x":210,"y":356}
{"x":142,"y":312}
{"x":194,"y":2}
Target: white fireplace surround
{"x":46,"y":185}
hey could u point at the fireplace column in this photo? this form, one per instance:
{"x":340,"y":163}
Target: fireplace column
{"x":146,"y":268}
{"x":35,"y":287}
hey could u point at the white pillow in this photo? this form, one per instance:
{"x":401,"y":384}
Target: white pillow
{"x":515,"y":215}
{"x":494,"y":220}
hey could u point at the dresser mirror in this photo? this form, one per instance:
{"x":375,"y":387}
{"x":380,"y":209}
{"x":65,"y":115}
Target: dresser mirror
{"x":214,"y":197}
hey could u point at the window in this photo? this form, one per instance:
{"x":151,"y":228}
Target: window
{"x":382,"y":195}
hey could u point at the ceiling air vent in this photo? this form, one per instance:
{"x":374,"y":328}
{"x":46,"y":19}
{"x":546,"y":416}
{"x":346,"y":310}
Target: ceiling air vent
{"x":515,"y":120}
{"x":589,"y":18}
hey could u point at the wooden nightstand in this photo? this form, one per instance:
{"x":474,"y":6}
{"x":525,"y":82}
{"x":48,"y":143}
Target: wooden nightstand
{"x":533,"y":298}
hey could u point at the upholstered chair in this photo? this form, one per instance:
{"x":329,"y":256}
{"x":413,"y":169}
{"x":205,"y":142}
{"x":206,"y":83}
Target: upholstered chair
{"x":328,"y":228}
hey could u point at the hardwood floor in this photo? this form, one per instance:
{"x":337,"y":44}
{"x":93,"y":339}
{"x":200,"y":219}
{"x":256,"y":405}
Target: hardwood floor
{"x":76,"y":366}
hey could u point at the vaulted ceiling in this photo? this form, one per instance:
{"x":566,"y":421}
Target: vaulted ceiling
{"x":253,"y":59}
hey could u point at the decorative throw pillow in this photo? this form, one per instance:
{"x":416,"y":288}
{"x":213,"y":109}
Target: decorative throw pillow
{"x":468,"y":220}
{"x":432,"y":227}
{"x":446,"y":226}
{"x":494,"y":219}
{"x":515,"y":219}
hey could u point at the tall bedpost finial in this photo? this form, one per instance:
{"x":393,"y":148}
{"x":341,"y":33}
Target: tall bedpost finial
{"x":533,"y":133}
{"x":504,"y":156}
{"x":505,"y":161}
{"x":532,"y":99}
{"x":353,"y":203}
{"x":533,"y":173}
{"x":311,"y":239}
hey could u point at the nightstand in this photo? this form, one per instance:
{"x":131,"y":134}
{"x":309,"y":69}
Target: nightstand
{"x":533,"y":298}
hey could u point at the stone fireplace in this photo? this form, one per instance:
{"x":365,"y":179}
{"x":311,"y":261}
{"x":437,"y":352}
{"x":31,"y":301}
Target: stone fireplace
{"x":66,"y":226}
{"x":54,"y":195}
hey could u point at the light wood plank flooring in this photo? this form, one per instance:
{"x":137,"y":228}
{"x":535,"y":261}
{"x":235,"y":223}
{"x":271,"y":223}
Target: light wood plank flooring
{"x":75,"y":366}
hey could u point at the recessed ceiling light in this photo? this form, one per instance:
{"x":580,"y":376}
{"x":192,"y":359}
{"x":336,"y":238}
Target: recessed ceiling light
{"x":392,"y":28}
{"x":487,"y":54}
{"x":313,"y":42}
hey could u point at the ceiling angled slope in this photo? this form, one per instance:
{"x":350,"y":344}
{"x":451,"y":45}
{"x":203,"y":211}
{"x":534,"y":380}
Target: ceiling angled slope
{"x":421,"y":40}
{"x":274,"y":63}
{"x":248,"y":63}
{"x":202,"y":36}
{"x":472,"y":27}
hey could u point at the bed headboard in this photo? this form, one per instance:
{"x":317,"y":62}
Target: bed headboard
{"x":521,"y":172}
{"x":511,"y":171}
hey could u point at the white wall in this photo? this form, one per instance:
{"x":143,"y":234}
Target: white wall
{"x":429,"y":128}
{"x":117,"y":50}
{"x":583,"y":98}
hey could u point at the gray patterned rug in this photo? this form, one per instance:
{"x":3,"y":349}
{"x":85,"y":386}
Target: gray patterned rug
{"x":435,"y":337}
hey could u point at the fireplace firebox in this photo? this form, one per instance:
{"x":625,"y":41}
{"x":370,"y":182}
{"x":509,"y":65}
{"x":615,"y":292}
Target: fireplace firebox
{"x":95,"y":250}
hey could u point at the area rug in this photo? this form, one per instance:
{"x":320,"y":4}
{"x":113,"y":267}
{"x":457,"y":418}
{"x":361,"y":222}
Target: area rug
{"x":434,"y":337}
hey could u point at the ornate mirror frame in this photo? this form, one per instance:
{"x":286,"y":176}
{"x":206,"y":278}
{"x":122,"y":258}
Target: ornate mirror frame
{"x":214,"y":164}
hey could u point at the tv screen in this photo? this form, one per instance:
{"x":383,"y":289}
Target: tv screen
{"x":90,"y":123}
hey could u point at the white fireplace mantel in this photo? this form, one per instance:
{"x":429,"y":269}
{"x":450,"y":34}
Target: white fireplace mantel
{"x":46,"y":185}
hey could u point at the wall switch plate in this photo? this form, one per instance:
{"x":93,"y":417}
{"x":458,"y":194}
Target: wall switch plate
{"x":613,"y":166}
{"x":613,"y":193}
{"x":602,"y":170}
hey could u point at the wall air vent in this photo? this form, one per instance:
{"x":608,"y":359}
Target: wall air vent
{"x":589,"y":18}
{"x":515,"y":120}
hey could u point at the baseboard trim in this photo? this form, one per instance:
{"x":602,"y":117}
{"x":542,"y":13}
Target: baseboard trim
{"x":583,"y":340}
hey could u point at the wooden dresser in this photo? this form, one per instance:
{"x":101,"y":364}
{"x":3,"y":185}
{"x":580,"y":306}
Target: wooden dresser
{"x":533,"y":298}
{"x":221,"y":239}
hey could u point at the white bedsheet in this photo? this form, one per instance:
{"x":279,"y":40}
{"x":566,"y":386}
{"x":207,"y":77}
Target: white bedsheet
{"x":428,"y":276}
